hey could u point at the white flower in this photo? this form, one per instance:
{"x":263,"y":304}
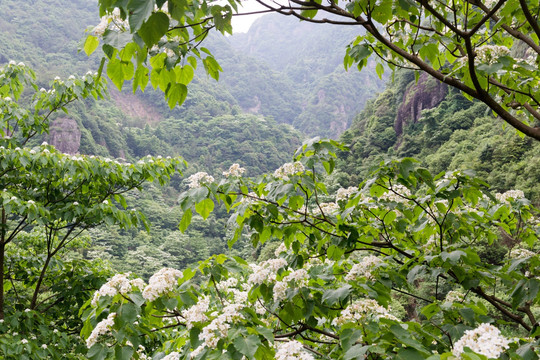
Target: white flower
{"x":454,"y":296}
{"x":234,"y":170}
{"x":57,"y":78}
{"x":291,"y":350}
{"x":344,"y":194}
{"x":75,"y":203}
{"x":520,"y":253}
{"x":327,"y":209}
{"x":266,"y":271}
{"x":44,"y":143}
{"x":43,"y":346}
{"x":289,"y":169}
{"x":24,"y":341}
{"x":161,"y":283}
{"x":102,"y":328}
{"x":361,"y":310}
{"x":30,"y":202}
{"x":396,"y":194}
{"x":118,"y":284}
{"x":21,"y":64}
{"x":172,"y":356}
{"x":12,"y":62}
{"x":486,"y":340}
{"x":27,"y":310}
{"x":363,"y":268}
{"x":510,"y":194}
{"x":199,"y":179}
{"x":7,"y":99}
{"x":196,"y":313}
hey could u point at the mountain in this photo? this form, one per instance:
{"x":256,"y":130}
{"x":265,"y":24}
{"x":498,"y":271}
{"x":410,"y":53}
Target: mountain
{"x":444,"y":131}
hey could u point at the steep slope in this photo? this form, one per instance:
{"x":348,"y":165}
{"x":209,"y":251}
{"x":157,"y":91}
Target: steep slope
{"x":444,"y":131}
{"x":311,"y":57}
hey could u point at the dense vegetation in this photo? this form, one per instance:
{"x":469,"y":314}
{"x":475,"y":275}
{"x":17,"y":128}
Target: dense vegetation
{"x":454,"y":134}
{"x":355,"y":253}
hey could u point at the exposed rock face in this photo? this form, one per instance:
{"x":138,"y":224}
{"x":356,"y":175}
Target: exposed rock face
{"x":426,"y":94}
{"x":65,"y":135}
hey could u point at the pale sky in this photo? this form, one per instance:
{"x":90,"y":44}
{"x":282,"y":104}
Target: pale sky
{"x":243,"y":22}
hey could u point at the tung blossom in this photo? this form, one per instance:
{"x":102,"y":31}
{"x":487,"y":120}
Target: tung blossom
{"x":361,"y":310}
{"x":486,"y":340}
{"x":292,"y":350}
{"x":363,"y":268}
{"x":199,"y":179}
{"x":235,"y":171}
{"x":161,"y":283}
{"x":289,"y":169}
{"x":102,"y":328}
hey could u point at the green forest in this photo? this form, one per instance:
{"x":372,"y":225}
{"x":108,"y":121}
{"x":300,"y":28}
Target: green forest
{"x":346,"y":180}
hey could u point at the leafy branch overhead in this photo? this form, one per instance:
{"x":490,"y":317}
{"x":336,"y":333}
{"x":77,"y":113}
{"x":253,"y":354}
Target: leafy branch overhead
{"x":487,"y":49}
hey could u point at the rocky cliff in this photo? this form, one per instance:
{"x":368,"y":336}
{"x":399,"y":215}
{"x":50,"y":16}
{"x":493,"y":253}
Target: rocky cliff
{"x":426,"y":94}
{"x":65,"y":135}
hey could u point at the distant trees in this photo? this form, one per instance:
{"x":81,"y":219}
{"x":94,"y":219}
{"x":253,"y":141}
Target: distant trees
{"x":487,"y":49}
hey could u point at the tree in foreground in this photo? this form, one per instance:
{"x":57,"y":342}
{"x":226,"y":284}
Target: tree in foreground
{"x":487,"y":49}
{"x":397,"y":268}
{"x":47,"y":200}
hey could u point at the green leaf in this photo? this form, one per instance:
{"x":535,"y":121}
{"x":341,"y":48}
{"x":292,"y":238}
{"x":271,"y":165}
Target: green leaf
{"x":356,"y":352}
{"x":332,"y":297}
{"x":247,"y":346}
{"x":205,"y":207}
{"x":90,"y":45}
{"x":123,"y":353}
{"x":139,"y":12}
{"x":380,"y":70}
{"x":409,"y":354}
{"x":116,"y":73}
{"x":186,"y":220}
{"x":176,"y":95}
{"x":154,"y":29}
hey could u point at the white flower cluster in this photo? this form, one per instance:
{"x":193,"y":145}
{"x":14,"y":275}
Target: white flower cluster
{"x":289,"y":169}
{"x":331,"y":208}
{"x":161,"y":283}
{"x":486,"y":340}
{"x":199,"y":179}
{"x":454,"y":296}
{"x":392,"y":196}
{"x":344,"y":194}
{"x":196,"y":313}
{"x":113,"y":20}
{"x":226,"y":285}
{"x":489,"y":54}
{"x":172,"y":356}
{"x":250,"y":199}
{"x":510,"y":194}
{"x":292,"y":350}
{"x":265,"y":271}
{"x":118,"y":284}
{"x":282,"y":248}
{"x":520,"y":253}
{"x":218,"y":328}
{"x":361,"y":310}
{"x":299,"y":277}
{"x":363,"y":268}
{"x":102,"y":328}
{"x":235,"y":170}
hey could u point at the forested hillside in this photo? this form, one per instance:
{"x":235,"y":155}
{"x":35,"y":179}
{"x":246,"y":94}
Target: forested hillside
{"x":148,"y":225}
{"x":438,"y":126}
